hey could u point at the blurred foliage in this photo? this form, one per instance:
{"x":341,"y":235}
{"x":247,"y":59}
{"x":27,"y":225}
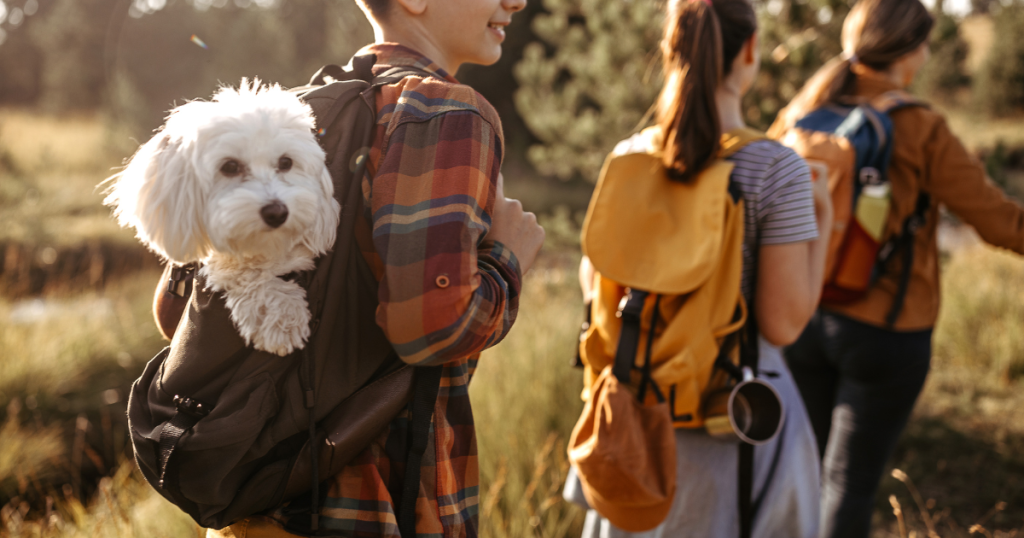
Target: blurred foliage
{"x":999,"y":87}
{"x":978,"y":327}
{"x":593,"y":76}
{"x":590,"y":82}
{"x":944,"y":74}
{"x":135,"y":58}
{"x":797,"y":37}
{"x":576,"y":76}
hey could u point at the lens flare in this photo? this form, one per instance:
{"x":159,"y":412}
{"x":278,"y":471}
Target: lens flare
{"x":195,"y":39}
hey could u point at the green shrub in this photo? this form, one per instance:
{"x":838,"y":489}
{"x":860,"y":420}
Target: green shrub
{"x":999,"y":87}
{"x":944,"y":73}
{"x":590,"y":82}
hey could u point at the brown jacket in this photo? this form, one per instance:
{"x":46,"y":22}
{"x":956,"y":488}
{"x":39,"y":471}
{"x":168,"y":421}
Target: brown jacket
{"x":928,"y":157}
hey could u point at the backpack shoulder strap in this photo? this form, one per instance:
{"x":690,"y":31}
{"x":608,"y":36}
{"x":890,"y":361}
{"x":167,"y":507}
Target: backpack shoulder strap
{"x":732,"y":142}
{"x":737,"y":139}
{"x":894,"y":100}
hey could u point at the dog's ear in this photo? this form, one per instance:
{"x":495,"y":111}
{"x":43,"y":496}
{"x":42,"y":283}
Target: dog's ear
{"x":160,"y":195}
{"x":326,"y":225}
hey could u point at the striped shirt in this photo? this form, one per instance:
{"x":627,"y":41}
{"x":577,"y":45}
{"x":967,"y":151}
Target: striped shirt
{"x":446,"y":293}
{"x":776,"y":187}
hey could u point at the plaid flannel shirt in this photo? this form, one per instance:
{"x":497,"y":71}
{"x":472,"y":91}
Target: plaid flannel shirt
{"x":446,"y":294}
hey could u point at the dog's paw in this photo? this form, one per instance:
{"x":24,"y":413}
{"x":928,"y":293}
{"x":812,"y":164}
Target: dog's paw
{"x":285,"y":324}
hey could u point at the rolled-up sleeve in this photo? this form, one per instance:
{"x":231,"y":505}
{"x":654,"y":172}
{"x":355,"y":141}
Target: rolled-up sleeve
{"x":446,"y":293}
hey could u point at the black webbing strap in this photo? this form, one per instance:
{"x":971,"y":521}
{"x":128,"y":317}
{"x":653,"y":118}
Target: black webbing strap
{"x":630,"y":309}
{"x":749,"y":358}
{"x":189,"y":413}
{"x":646,"y":380}
{"x":578,"y":359}
{"x":427,"y":383}
{"x":724,"y":360}
{"x":906,"y":239}
{"x":308,"y":384}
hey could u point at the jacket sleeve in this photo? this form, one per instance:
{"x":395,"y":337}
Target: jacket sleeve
{"x":957,"y":179}
{"x":446,"y":293}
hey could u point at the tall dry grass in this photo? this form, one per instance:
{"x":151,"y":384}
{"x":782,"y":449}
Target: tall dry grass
{"x":525,"y":397}
{"x":124,"y":507}
{"x":64,"y":356}
{"x":49,"y":169}
{"x":981,"y":325}
{"x":49,"y":345}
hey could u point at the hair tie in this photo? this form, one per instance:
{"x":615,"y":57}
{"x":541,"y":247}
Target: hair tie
{"x":850,"y":57}
{"x":708,"y":2}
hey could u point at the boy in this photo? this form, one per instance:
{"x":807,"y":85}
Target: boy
{"x":448,"y":249}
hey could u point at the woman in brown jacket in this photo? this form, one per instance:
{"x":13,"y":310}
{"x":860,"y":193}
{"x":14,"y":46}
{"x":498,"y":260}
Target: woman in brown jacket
{"x":859,"y":376}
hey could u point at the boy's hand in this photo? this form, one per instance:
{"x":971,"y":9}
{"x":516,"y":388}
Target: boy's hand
{"x":516,"y":229}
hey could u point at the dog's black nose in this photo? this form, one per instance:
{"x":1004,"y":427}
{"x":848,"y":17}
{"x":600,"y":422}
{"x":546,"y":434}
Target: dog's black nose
{"x":274,"y":214}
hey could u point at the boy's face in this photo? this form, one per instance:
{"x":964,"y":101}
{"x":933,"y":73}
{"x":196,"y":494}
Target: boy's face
{"x":471,"y":31}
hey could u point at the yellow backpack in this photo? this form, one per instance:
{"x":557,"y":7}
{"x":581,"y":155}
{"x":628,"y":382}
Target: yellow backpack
{"x":674,"y":248}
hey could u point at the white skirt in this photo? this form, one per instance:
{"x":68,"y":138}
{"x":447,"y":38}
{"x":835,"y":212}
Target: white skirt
{"x":786,"y":478}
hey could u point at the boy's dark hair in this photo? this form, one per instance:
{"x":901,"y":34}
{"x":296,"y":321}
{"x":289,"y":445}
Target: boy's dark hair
{"x":377,"y":9}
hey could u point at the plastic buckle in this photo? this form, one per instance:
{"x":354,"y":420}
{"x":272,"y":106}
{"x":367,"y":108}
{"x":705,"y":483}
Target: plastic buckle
{"x":631,"y":304}
{"x":179,"y":274}
{"x":915,"y":223}
{"x":870,"y":175}
{"x":190,"y":407}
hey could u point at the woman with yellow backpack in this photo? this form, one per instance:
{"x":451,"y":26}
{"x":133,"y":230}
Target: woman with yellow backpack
{"x":701,"y":233}
{"x":863,"y":359}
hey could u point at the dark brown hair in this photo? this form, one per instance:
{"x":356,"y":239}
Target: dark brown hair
{"x":876,"y":34}
{"x":702,"y":39}
{"x":377,"y":9}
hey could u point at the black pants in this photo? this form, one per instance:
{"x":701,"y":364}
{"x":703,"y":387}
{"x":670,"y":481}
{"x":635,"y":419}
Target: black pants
{"x":859,"y":383}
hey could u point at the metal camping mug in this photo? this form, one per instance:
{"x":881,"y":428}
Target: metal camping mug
{"x":751,"y":411}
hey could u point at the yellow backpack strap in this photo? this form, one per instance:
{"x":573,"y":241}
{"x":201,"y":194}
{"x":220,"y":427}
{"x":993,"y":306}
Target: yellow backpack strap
{"x":736,"y":139}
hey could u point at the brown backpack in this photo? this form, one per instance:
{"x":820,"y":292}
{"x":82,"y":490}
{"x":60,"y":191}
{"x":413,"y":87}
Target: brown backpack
{"x":225,"y":431}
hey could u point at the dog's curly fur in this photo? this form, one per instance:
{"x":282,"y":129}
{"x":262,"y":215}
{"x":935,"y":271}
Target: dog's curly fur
{"x":211,"y":187}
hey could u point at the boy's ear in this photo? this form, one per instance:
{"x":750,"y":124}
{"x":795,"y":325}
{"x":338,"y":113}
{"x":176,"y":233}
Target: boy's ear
{"x":414,"y":7}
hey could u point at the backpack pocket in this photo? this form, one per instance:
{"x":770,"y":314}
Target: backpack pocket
{"x":216,"y":451}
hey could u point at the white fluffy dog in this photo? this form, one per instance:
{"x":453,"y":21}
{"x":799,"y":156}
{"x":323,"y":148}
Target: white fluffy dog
{"x":238,"y":184}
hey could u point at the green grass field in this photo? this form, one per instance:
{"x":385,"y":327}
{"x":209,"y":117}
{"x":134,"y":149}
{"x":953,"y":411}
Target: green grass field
{"x":70,"y":349}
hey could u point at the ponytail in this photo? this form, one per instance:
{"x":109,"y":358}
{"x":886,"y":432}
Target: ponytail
{"x":701,"y":40}
{"x":876,"y":33}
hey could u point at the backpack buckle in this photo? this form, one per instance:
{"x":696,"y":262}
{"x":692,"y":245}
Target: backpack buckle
{"x":193,"y":408}
{"x":631,"y":304}
{"x":177,"y":283}
{"x":870,"y":175}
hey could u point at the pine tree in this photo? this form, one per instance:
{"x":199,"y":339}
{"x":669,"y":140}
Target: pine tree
{"x":596,"y":74}
{"x":590,"y":82}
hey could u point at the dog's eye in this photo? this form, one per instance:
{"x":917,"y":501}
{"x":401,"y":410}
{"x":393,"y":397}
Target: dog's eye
{"x":284,"y":164}
{"x":231,"y":168}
